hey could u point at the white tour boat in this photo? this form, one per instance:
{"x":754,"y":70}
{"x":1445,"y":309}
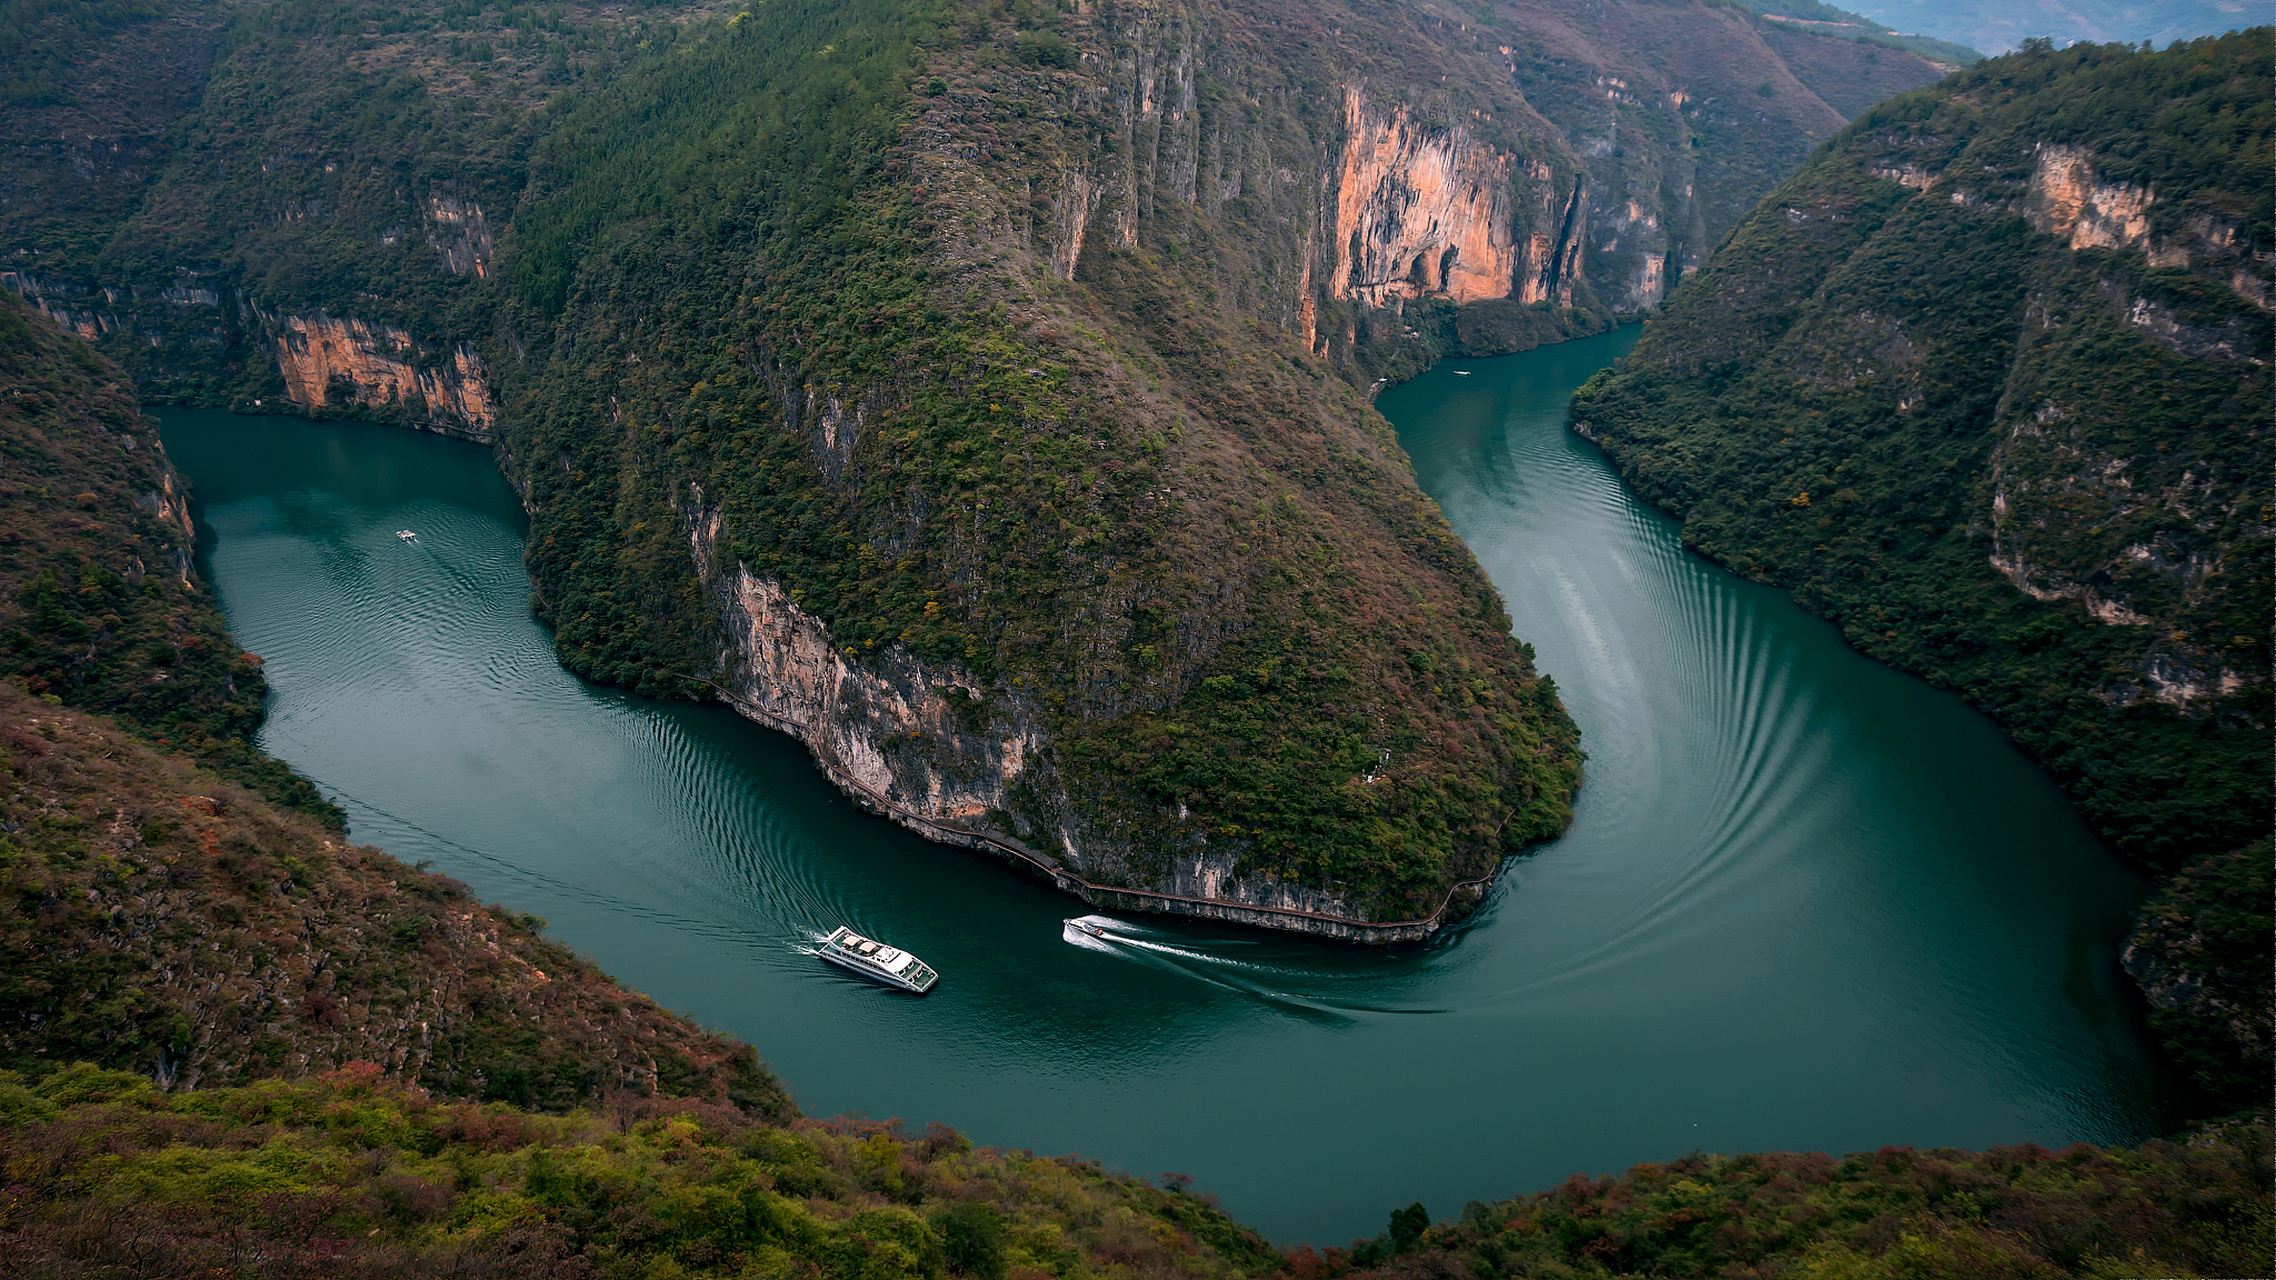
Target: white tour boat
{"x":405,"y":534}
{"x":877,"y":962}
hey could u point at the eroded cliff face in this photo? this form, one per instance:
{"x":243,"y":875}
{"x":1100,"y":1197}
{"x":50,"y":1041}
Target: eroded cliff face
{"x":460,"y":233}
{"x":1559,"y":170}
{"x":1422,"y":211}
{"x":335,"y":363}
{"x":933,"y":748}
{"x":2074,"y":514}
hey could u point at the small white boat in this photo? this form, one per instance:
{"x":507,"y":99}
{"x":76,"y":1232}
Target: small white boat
{"x":877,"y":962}
{"x":1461,"y":373}
{"x":405,"y":534}
{"x":1081,"y":925}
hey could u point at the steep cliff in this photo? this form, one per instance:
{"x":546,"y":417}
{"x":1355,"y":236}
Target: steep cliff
{"x":379,"y":369}
{"x":359,"y":166}
{"x":1988,"y":384}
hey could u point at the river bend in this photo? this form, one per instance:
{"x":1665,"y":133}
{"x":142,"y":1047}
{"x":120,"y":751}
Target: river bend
{"x":1806,"y":902}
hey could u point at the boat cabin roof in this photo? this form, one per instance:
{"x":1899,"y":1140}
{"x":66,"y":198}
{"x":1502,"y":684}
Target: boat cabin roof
{"x":891,"y":959}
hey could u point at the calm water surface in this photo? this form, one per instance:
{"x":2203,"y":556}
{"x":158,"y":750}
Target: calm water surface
{"x":1806,"y":903}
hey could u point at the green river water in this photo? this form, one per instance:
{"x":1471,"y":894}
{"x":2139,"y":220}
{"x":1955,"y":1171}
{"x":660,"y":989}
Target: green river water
{"x":1806,"y":902}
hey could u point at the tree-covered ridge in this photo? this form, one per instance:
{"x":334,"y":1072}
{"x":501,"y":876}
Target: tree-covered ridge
{"x":1987,"y":385}
{"x":2199,"y":1208}
{"x":347,"y":1174}
{"x":99,"y":605}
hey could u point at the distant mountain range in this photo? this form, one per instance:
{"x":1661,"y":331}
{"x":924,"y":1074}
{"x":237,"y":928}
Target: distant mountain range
{"x":1996,"y":26}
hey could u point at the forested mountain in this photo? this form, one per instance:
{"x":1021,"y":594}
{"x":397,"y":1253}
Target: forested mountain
{"x":977,"y":391}
{"x":1988,"y":384}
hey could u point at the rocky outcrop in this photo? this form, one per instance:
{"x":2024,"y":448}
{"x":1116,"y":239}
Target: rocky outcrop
{"x":458,"y":232}
{"x":2066,"y":201}
{"x":2200,"y":955}
{"x":931,"y":748}
{"x":1422,"y":211}
{"x":336,"y":363}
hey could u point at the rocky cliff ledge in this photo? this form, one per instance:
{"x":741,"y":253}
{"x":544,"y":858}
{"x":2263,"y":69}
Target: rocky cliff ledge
{"x":338,"y":364}
{"x":927,"y":747}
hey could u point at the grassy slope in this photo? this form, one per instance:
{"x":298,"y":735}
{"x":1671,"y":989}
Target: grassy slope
{"x":1835,"y":404}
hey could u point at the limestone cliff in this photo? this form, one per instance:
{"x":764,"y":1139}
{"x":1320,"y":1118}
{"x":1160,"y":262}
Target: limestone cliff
{"x":460,"y":233}
{"x":929,"y":746}
{"x":1419,"y":212}
{"x":330,"y":363}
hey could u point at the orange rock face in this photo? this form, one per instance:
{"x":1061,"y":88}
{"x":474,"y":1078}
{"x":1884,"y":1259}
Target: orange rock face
{"x":324,"y":359}
{"x":1420,"y":211}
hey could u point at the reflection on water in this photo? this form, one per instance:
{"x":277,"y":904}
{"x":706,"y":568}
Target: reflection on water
{"x":1805,"y":902}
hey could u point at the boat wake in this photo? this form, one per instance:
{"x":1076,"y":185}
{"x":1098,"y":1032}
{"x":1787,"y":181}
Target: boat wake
{"x":1105,"y":933}
{"x":1281,"y":985}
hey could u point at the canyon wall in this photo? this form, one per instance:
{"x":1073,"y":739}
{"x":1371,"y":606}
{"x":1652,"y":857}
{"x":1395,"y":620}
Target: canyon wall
{"x":1420,"y":212}
{"x":931,"y":747}
{"x":1992,"y":391}
{"x":1170,"y":182}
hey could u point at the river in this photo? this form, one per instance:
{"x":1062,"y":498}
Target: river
{"x":1806,"y":903}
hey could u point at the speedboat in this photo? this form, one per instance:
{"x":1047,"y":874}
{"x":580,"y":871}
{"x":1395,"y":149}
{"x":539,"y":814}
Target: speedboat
{"x":405,"y":534}
{"x":877,"y":962}
{"x":1081,"y":925}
